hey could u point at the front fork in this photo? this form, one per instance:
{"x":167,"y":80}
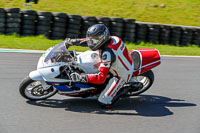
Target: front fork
{"x":45,"y":85}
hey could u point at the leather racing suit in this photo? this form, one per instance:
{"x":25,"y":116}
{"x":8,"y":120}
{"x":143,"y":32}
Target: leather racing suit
{"x":116,"y":60}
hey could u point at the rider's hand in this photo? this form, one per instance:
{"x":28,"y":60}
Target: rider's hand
{"x":69,"y":41}
{"x":76,"y":77}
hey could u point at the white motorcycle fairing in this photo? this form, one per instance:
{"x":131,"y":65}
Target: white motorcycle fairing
{"x":48,"y":70}
{"x":89,"y":61}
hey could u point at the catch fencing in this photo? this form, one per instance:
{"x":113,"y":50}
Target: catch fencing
{"x":62,"y":25}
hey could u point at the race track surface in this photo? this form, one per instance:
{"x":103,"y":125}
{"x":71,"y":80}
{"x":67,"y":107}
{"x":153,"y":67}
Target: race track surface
{"x":170,"y":106}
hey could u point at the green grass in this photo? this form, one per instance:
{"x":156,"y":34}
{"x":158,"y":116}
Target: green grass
{"x":41,"y":43}
{"x":179,"y":12}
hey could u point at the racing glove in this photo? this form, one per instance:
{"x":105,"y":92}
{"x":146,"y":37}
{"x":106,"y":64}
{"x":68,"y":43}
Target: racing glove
{"x":77,"y":42}
{"x":76,"y":77}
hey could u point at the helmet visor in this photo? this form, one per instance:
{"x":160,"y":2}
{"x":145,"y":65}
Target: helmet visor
{"x":92,"y":41}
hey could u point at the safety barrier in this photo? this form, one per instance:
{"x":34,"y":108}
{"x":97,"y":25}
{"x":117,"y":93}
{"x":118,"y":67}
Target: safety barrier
{"x":62,"y":25}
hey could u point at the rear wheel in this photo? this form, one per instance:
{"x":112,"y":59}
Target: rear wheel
{"x":142,"y":83}
{"x":33,"y":90}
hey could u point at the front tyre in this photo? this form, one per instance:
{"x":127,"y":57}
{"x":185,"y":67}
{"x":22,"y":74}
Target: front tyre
{"x":33,"y":90}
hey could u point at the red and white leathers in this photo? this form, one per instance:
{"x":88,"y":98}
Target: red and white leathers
{"x":115,"y":59}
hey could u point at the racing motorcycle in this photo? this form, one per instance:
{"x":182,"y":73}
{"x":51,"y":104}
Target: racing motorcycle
{"x":57,"y":63}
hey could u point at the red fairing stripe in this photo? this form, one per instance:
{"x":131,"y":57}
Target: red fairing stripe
{"x":100,"y":77}
{"x":127,"y":55}
{"x":150,"y":67}
{"x":123,"y":63}
{"x":83,"y":39}
{"x":114,"y":87}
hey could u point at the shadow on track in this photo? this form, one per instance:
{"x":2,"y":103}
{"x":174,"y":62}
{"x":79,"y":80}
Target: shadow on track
{"x":143,"y":105}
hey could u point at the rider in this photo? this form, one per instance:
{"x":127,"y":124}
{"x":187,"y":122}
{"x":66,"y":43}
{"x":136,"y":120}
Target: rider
{"x":114,"y":59}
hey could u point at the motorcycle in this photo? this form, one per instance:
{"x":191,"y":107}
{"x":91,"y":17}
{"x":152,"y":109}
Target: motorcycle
{"x":57,"y":63}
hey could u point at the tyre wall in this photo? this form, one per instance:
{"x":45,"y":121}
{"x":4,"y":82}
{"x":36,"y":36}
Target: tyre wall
{"x":61,"y":25}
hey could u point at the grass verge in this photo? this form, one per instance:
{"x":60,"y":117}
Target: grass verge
{"x":41,"y":43}
{"x":179,"y":12}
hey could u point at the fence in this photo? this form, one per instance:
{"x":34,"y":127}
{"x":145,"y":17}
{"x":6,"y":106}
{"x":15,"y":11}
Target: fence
{"x":62,"y":25}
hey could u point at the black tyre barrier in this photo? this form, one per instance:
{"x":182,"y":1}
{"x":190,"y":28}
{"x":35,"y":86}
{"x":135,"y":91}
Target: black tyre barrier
{"x":2,"y":15}
{"x":116,"y":26}
{"x":29,"y":12}
{"x":2,"y":21}
{"x":12,"y":10}
{"x":13,"y":21}
{"x":129,"y":30}
{"x":60,"y":20}
{"x":2,"y":10}
{"x":43,"y":25}
{"x":87,"y":21}
{"x":29,"y":17}
{"x":28,"y":26}
{"x":74,"y":26}
{"x":28,"y":32}
{"x":13,"y":15}
{"x":104,"y":20}
{"x":186,"y":37}
{"x":61,"y":25}
{"x":153,"y":33}
{"x":141,"y":32}
{"x":60,"y":15}
{"x":12,"y":30}
{"x":2,"y":29}
{"x":2,"y":25}
{"x":175,"y":35}
{"x":72,"y":16}
{"x":46,"y":14}
{"x":72,"y":35}
{"x":196,"y":36}
{"x":165,"y":34}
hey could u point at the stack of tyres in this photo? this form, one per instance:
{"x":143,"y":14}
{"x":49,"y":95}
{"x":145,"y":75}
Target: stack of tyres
{"x":28,"y":26}
{"x":129,"y":30}
{"x":153,"y":33}
{"x":104,"y":20}
{"x":44,"y":22}
{"x":196,"y":36}
{"x":165,"y":34}
{"x":87,"y":22}
{"x":175,"y":35}
{"x":186,"y":37}
{"x":74,"y":26}
{"x":59,"y":26}
{"x":116,"y":27}
{"x":2,"y":20}
{"x":13,"y":21}
{"x":141,"y":32}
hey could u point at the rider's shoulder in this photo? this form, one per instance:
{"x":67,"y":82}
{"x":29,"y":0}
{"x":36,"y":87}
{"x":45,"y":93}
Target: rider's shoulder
{"x":115,"y":40}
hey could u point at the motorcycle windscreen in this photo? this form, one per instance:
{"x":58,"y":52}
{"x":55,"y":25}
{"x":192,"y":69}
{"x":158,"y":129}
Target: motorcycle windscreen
{"x":58,"y":54}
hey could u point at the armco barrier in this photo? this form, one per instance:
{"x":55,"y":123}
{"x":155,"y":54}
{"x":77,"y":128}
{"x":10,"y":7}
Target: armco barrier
{"x":62,"y":25}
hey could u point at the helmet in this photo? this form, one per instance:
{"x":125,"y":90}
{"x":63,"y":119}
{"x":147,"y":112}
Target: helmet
{"x":96,"y":36}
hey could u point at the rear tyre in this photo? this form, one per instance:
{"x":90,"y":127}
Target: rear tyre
{"x":145,"y":79}
{"x":33,"y":90}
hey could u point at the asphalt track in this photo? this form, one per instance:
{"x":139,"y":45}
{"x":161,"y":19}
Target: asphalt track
{"x":170,"y":106}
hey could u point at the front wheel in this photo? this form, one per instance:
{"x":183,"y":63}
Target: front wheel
{"x":145,"y":81}
{"x":33,"y":90}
